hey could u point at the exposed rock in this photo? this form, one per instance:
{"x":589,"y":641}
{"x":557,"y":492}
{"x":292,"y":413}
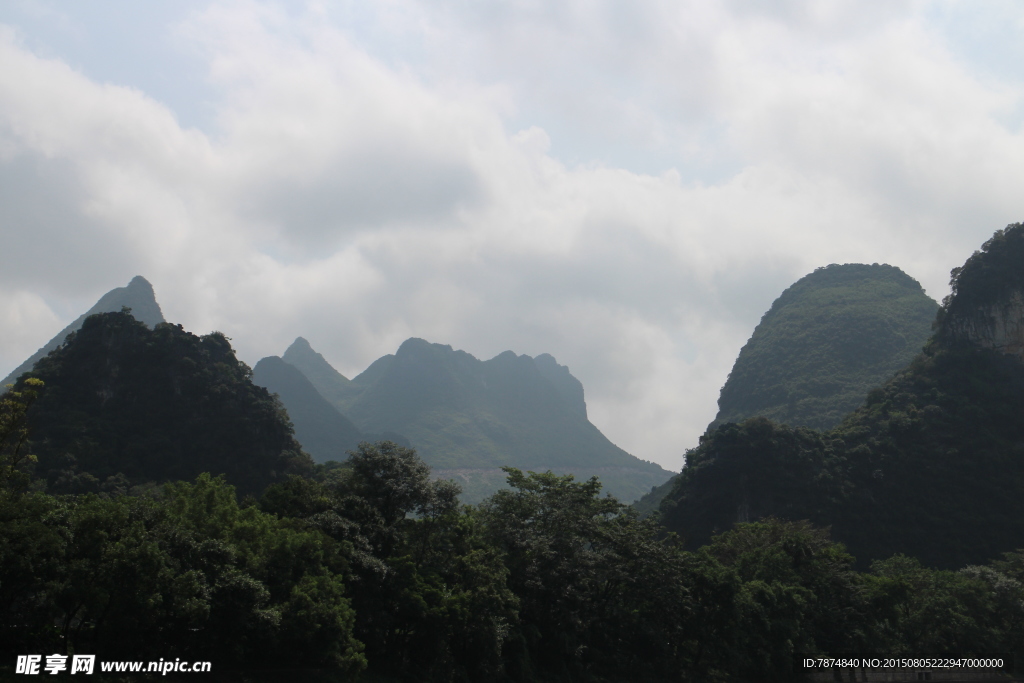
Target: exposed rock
{"x":998,"y":326}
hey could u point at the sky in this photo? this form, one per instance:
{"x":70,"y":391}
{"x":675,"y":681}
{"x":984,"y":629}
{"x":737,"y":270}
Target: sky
{"x":624,"y":185}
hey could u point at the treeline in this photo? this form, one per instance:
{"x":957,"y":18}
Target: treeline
{"x":370,"y":569}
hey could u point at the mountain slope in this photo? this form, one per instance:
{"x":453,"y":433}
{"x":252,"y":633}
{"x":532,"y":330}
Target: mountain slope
{"x":932,"y":465}
{"x":330,"y":383}
{"x":323,"y":432}
{"x":468,"y":418}
{"x":125,"y":405}
{"x":138,"y":296}
{"x":828,"y":340}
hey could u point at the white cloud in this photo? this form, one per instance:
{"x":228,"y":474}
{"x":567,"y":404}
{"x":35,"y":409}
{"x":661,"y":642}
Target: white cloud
{"x":451,"y":171}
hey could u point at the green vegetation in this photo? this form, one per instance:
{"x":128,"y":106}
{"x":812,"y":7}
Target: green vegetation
{"x":126,"y":537}
{"x":14,"y":457}
{"x":126,"y":405}
{"x":931,"y":466}
{"x":370,"y":569}
{"x":137,"y":296}
{"x":826,"y":342}
{"x":990,"y":275}
{"x":189,"y":575}
{"x":373,"y":567}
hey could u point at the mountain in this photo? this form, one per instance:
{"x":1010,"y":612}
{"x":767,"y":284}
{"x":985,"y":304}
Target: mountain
{"x":932,"y":465}
{"x":323,"y":432}
{"x":828,"y":340}
{"x":331,"y":384}
{"x":125,"y":405}
{"x":468,"y":418}
{"x":138,"y":296}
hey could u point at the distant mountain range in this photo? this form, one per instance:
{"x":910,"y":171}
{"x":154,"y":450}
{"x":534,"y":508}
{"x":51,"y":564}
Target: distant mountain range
{"x":323,"y":432}
{"x":467,"y":418}
{"x":138,"y":296}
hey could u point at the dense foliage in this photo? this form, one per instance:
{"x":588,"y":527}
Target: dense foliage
{"x":990,"y":274}
{"x":125,"y":405}
{"x":828,"y":340}
{"x":371,"y":570}
{"x":371,"y":567}
{"x":825,"y":343}
{"x":932,"y":465}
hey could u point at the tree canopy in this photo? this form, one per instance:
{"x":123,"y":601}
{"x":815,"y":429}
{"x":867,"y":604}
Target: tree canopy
{"x":125,"y":405}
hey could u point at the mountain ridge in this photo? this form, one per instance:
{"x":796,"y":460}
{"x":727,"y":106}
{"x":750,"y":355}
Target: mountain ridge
{"x":472,"y":417}
{"x":323,"y":432}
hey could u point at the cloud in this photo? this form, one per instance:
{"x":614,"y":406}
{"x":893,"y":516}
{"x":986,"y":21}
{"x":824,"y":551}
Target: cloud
{"x":627,"y":190}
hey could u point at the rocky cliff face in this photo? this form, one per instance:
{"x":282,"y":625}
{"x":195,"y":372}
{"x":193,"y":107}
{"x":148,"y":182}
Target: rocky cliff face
{"x":998,"y":326}
{"x":986,"y":305}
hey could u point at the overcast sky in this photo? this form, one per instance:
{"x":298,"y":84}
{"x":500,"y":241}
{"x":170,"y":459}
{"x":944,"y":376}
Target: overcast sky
{"x":625,"y":185}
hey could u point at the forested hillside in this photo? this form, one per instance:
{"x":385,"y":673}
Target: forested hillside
{"x":154,"y":505}
{"x":125,"y":405}
{"x":374,"y":568}
{"x":931,"y":466}
{"x":138,"y":296}
{"x":827,"y":341}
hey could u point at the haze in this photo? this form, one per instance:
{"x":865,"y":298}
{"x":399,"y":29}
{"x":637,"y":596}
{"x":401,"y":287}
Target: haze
{"x":626,"y":186}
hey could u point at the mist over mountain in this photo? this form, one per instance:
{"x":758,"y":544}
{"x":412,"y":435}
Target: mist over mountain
{"x":138,"y":296}
{"x":331,"y":384}
{"x":932,"y":465}
{"x":323,"y":432}
{"x":468,"y":418}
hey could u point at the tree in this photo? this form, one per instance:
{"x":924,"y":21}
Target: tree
{"x":974,"y":610}
{"x":429,"y":594}
{"x":601,"y":592}
{"x":797,"y":593}
{"x":14,"y":431}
